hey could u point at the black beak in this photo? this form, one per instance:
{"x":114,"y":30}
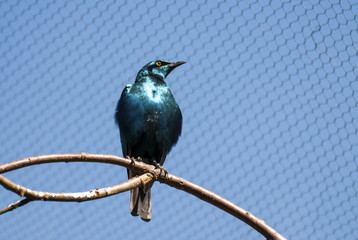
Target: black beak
{"x":175,"y":64}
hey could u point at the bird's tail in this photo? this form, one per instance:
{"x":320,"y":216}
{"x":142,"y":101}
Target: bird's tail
{"x":140,"y":203}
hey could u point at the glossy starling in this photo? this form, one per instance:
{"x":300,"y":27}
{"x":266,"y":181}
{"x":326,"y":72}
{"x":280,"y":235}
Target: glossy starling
{"x":150,"y":123}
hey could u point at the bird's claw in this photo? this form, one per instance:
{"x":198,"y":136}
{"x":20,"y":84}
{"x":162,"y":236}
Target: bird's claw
{"x":162,"y":169}
{"x":133,"y":160}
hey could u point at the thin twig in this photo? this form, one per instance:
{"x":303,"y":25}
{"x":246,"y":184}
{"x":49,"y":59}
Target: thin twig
{"x":140,"y":167}
{"x":16,"y":204}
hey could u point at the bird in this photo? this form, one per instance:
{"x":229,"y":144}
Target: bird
{"x":150,"y":124}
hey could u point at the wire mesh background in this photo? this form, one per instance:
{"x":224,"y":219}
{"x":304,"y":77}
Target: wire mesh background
{"x":269,"y":99}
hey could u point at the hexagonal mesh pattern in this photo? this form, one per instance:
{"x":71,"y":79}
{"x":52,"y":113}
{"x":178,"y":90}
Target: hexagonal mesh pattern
{"x":269,"y":99}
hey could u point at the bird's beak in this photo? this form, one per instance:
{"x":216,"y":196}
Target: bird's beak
{"x":175,"y":64}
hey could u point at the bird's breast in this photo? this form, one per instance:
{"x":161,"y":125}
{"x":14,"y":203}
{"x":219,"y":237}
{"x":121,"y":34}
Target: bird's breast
{"x":154,"y":93}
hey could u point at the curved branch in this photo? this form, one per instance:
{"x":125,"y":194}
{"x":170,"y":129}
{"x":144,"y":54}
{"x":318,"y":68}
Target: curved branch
{"x":174,"y":181}
{"x":222,"y":203}
{"x":76,"y":157}
{"x":79,"y":196}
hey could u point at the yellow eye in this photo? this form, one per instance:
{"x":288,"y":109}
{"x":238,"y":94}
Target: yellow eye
{"x":158,"y":64}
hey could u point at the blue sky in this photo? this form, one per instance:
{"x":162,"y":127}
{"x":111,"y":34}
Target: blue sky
{"x":269,"y":103}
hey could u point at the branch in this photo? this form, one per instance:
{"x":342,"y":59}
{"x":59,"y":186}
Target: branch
{"x":140,"y":167}
{"x":76,"y":197}
{"x":14,"y":205}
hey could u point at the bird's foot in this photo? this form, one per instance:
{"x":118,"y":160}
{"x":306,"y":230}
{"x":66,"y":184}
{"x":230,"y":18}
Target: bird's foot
{"x":133,"y":160}
{"x":162,"y":169}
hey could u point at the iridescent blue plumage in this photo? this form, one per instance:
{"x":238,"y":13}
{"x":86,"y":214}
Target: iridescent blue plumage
{"x":150,"y":123}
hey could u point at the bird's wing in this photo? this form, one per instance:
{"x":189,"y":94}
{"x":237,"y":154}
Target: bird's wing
{"x":121,"y":104}
{"x":175,"y":127}
{"x":119,"y":115}
{"x":129,"y":116}
{"x":176,"y":121}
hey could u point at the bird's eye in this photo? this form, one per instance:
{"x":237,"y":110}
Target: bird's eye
{"x":158,"y":63}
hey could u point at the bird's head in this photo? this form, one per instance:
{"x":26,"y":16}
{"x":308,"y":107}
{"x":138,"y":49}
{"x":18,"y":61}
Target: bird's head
{"x":159,"y":68}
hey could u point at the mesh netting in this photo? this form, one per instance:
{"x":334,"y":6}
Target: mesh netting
{"x":269,"y":100}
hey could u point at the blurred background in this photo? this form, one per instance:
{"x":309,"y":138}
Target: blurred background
{"x":269,"y":100}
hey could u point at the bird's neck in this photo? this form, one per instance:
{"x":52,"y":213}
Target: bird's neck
{"x":149,"y":76}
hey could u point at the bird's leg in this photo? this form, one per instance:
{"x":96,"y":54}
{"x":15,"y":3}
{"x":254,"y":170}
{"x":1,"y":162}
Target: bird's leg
{"x":162,"y":169}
